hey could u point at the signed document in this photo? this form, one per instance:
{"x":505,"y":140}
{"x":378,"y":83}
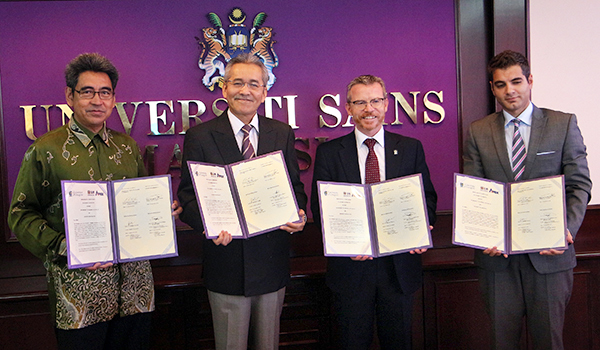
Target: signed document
{"x":246,"y":198}
{"x":118,"y":221}
{"x":520,"y":217}
{"x":375,"y":220}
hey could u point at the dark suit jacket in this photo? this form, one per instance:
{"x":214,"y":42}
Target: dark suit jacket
{"x":259,"y":264}
{"x":337,"y":160}
{"x":555,"y":147}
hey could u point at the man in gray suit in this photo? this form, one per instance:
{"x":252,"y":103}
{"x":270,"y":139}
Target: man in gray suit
{"x":536,"y":285}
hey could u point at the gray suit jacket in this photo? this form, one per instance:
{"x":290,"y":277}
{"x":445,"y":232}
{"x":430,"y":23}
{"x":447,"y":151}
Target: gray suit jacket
{"x":555,"y":147}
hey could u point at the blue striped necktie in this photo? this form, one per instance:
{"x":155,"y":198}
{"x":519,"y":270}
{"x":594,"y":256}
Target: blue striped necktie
{"x":518,"y":152}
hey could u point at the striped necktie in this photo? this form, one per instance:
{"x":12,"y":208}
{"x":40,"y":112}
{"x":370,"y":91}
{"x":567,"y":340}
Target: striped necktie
{"x":247,"y":149}
{"x":518,"y":152}
{"x":372,"y":164}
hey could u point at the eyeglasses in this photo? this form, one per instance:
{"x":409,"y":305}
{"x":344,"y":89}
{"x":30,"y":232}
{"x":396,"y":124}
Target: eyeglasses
{"x":88,"y":94}
{"x":375,"y":103}
{"x":239,"y":84}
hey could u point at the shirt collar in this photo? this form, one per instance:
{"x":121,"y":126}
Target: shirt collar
{"x":524,"y":117}
{"x":237,"y":124}
{"x":86,"y":136}
{"x":360,"y":137}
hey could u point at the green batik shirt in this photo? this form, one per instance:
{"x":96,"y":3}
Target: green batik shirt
{"x":78,"y":297}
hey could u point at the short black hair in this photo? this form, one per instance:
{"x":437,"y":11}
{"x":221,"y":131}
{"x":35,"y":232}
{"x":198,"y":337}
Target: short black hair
{"x":506,"y":59}
{"x":90,"y":62}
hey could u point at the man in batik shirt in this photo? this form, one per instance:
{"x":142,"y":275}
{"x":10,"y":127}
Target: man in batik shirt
{"x":105,"y":306}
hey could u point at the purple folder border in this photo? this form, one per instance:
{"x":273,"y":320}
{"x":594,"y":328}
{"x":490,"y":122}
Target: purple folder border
{"x":508,"y":210}
{"x":372,"y":227}
{"x":507,"y":221}
{"x":323,"y":183}
{"x":501,"y":184}
{"x":236,"y":201}
{"x":113,"y":226}
{"x":425,"y":214}
{"x":233,"y":194}
{"x":73,"y":265}
{"x":112,"y":186}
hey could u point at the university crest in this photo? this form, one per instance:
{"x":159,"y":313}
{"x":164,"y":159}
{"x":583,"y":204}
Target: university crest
{"x":219,"y":45}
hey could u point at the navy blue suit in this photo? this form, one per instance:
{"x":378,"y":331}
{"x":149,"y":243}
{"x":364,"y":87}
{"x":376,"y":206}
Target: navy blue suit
{"x":337,"y":160}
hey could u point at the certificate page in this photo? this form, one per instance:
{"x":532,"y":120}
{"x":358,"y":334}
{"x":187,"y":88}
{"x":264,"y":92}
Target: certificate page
{"x":538,"y":215}
{"x":215,"y":200}
{"x":345,"y":221}
{"x":87,"y":222}
{"x":479,"y":213}
{"x":400,"y":215}
{"x":265,"y":193}
{"x":143,"y":218}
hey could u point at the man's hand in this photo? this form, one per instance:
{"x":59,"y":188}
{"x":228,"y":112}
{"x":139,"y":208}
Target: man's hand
{"x":361,"y":258}
{"x":420,"y":251}
{"x":223,"y":239}
{"x":99,"y":266}
{"x":494,"y":252}
{"x":292,"y":227}
{"x":558,"y":252}
{"x":176,"y":209}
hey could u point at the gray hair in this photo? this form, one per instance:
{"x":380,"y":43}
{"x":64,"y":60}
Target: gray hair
{"x":248,"y":59}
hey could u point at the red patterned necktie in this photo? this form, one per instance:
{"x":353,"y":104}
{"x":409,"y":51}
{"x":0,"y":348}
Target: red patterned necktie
{"x":247,"y":149}
{"x":371,"y":165}
{"x":518,"y":152}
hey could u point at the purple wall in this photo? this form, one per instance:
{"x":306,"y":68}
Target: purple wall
{"x":321,"y":46}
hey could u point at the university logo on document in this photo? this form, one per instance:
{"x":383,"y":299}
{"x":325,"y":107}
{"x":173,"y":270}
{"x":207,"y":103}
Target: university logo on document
{"x":219,"y":45}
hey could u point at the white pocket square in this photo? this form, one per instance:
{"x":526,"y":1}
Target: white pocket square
{"x":544,"y":153}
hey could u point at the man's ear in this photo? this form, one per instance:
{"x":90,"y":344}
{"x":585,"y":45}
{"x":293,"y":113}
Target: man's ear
{"x":492,"y":88}
{"x":69,"y":96}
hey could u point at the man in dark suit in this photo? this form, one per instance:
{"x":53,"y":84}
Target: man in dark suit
{"x":364,"y":287}
{"x":245,"y":279}
{"x":536,"y":285}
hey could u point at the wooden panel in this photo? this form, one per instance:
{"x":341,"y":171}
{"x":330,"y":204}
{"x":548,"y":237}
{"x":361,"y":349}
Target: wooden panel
{"x":26,"y":324}
{"x":473,"y":51}
{"x":578,"y":321}
{"x":460,"y":310}
{"x":27,"y":332}
{"x":510,"y":26}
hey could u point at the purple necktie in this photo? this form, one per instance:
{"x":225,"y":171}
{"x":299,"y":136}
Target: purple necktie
{"x":371,"y":165}
{"x":518,"y":152}
{"x":247,"y":149}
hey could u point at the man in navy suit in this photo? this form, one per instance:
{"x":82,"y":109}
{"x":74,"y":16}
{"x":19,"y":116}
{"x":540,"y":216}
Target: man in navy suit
{"x":536,"y":285}
{"x":245,"y":278}
{"x":366,"y":288}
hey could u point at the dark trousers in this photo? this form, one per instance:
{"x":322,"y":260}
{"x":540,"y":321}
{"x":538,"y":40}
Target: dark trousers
{"x":379,"y":299}
{"x":120,"y":333}
{"x":520,"y":291}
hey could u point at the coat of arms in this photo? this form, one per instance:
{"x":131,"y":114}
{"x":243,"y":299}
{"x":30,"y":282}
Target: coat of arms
{"x":220,"y":44}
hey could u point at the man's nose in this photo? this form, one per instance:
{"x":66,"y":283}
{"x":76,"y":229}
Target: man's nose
{"x":96,"y":99}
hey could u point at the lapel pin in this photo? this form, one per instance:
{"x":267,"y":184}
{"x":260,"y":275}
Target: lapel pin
{"x":395,"y":152}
